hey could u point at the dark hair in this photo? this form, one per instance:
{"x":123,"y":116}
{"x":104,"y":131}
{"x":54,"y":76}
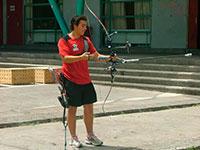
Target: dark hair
{"x":75,"y":21}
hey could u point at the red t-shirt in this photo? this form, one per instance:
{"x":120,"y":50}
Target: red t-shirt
{"x":77,"y":72}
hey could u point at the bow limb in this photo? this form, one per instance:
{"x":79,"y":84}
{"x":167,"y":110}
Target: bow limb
{"x":87,"y":6}
{"x":112,"y":67}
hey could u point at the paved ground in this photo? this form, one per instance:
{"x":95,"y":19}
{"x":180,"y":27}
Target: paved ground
{"x":141,"y":126}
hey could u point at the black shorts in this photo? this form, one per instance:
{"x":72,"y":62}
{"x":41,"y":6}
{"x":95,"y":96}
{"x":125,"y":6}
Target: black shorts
{"x":80,"y":94}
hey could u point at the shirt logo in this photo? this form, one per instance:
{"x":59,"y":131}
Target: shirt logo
{"x":75,"y":47}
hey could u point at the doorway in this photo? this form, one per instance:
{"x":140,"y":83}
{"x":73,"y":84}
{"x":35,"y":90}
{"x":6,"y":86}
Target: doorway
{"x":15,"y":22}
{"x":1,"y":22}
{"x":194,"y":24}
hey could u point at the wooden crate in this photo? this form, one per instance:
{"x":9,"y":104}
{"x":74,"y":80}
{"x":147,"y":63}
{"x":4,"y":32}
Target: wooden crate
{"x":5,"y":76}
{"x":43,"y":75}
{"x":17,"y":76}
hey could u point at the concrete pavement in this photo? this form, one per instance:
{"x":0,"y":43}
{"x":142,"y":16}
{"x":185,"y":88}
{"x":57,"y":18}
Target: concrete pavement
{"x":146,"y":129}
{"x":161,"y":130}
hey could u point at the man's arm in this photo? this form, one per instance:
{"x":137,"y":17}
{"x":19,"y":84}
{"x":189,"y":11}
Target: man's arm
{"x":71,"y":59}
{"x":87,"y":56}
{"x":99,"y":57}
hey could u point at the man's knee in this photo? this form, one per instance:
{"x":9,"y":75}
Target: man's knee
{"x":88,"y":106}
{"x":72,"y":110}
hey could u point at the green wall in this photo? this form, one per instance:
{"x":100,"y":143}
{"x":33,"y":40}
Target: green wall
{"x":169,"y":23}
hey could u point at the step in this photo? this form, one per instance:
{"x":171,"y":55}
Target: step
{"x":162,"y":88}
{"x":149,"y":73}
{"x":31,"y":48}
{"x":195,"y":60}
{"x":30,"y":55}
{"x":144,"y":59}
{"x":166,"y":59}
{"x":139,"y":66}
{"x":31,"y":60}
{"x":150,"y":59}
{"x":148,"y":80}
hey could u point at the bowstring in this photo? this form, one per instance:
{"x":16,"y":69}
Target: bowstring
{"x":103,"y":106}
{"x":107,"y":34}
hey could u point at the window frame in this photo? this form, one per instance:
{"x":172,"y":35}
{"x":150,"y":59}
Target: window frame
{"x":29,"y":21}
{"x":109,"y":18}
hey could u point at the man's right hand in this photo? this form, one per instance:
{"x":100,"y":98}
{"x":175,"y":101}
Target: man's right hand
{"x":85,"y":56}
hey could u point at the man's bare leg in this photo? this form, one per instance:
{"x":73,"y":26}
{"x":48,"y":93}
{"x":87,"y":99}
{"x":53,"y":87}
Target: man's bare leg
{"x":71,"y":119}
{"x":88,"y":118}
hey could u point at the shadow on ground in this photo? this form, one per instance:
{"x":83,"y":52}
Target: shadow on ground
{"x":107,"y":147}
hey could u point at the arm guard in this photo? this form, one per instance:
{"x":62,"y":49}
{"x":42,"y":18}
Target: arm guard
{"x":102,"y":57}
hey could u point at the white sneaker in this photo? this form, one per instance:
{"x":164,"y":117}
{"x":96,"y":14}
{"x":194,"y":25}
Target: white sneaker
{"x":93,"y":140}
{"x":75,"y":142}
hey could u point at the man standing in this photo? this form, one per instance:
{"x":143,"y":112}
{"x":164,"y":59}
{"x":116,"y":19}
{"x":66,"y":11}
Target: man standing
{"x":78,"y":83}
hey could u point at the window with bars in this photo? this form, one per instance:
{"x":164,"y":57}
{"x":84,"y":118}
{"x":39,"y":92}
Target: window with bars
{"x":40,"y":24}
{"x":131,"y":18}
{"x":127,"y":14}
{"x":43,"y":17}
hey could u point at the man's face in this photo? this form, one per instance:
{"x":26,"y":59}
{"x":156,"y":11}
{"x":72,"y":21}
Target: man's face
{"x":81,"y":28}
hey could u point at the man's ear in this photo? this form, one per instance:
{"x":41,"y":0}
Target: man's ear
{"x":75,"y":26}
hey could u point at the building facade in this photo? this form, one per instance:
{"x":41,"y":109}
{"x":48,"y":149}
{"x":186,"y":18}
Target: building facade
{"x":144,"y":23}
